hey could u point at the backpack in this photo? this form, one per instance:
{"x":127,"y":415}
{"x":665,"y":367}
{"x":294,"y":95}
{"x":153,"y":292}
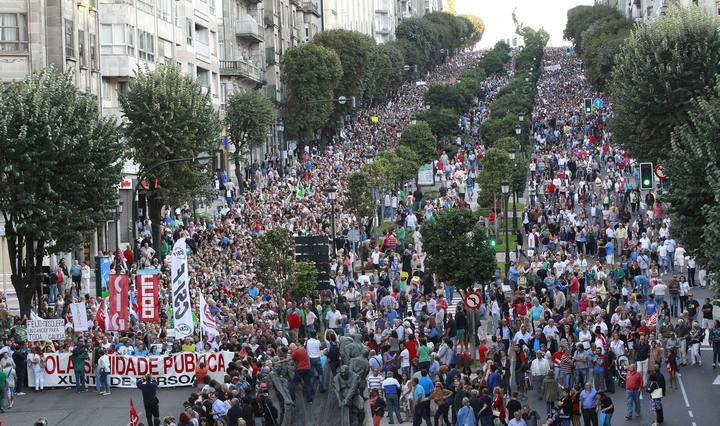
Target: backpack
{"x":334,"y":353}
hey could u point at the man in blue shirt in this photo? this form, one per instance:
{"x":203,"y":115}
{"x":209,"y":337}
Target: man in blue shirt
{"x":588,"y":403}
{"x":650,"y":305}
{"x":494,"y":378}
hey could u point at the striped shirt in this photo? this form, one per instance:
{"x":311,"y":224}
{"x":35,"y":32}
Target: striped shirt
{"x":375,"y":381}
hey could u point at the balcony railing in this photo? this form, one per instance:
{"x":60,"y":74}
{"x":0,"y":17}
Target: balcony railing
{"x":202,"y":49}
{"x":249,"y":29}
{"x":243,"y":69}
{"x":311,"y":7}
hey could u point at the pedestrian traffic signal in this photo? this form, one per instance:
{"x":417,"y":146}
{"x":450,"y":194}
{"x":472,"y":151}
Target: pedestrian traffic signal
{"x":588,"y":106}
{"x":646,"y":175}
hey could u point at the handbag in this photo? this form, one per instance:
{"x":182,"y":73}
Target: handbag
{"x":657,"y":393}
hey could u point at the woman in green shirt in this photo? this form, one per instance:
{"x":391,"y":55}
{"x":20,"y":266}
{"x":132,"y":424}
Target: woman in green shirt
{"x":424,"y":359}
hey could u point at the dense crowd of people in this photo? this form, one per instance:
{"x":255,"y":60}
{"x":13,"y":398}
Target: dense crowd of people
{"x":598,"y":297}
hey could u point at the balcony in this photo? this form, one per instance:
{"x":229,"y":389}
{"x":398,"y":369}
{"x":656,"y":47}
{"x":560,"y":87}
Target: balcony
{"x":270,"y":56}
{"x":202,"y":49}
{"x":311,"y":7}
{"x":297,"y":3}
{"x":269,"y":18}
{"x":250,"y":30}
{"x":272,"y":93}
{"x":295,"y":33}
{"x":383,"y":31}
{"x":243,"y":69}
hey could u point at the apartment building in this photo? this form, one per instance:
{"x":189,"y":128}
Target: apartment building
{"x":352,"y":15}
{"x":135,"y":34}
{"x":385,"y":20}
{"x":37,"y":33}
{"x":643,"y":10}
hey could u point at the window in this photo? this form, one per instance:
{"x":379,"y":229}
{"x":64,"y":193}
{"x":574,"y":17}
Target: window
{"x":215,"y":81}
{"x":164,"y":10}
{"x":106,"y":90}
{"x":191,"y":69}
{"x":92,"y":47}
{"x":146,"y":46}
{"x":122,"y":88}
{"x":117,"y":39}
{"x":203,"y":77}
{"x":213,"y":43}
{"x":13,"y":32}
{"x":145,"y":6}
{"x":81,"y":48}
{"x":189,"y":31}
{"x":221,"y":49}
{"x":223,"y":93}
{"x":69,"y":39}
{"x":164,"y":49}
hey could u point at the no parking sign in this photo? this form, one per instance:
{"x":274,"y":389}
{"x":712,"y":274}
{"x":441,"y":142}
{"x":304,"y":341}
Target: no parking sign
{"x":473,"y":299}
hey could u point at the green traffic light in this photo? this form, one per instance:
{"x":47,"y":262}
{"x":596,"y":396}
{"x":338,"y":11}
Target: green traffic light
{"x":646,"y":182}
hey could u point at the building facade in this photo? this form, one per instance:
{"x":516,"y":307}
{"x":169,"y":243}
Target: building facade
{"x":35,"y":34}
{"x":352,"y":15}
{"x":135,"y":34}
{"x":644,"y":10}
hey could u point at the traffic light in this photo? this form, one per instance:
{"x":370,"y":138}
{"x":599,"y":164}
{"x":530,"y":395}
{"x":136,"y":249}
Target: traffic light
{"x":646,"y":175}
{"x":492,"y":242}
{"x":588,"y":106}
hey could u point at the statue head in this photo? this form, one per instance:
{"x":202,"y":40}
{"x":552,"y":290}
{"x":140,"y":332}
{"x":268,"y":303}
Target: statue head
{"x":344,"y":371}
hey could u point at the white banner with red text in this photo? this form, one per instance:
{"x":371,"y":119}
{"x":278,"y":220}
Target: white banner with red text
{"x":169,"y":370}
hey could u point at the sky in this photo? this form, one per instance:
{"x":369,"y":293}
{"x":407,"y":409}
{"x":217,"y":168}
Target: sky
{"x":497,"y":15}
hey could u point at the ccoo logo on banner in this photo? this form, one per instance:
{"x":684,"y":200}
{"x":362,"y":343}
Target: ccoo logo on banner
{"x":182,"y":314}
{"x":118,"y":309}
{"x":147,"y":285}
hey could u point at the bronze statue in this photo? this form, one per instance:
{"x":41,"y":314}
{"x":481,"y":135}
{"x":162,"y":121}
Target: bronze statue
{"x":352,"y":404}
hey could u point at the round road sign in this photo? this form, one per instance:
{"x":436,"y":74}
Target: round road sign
{"x":473,"y":299}
{"x":660,"y":171}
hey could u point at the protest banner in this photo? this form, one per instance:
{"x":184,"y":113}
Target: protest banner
{"x":148,"y":303}
{"x":118,"y":308}
{"x":40,"y":330}
{"x":79,"y":316}
{"x":182,"y":312}
{"x":172,"y":370}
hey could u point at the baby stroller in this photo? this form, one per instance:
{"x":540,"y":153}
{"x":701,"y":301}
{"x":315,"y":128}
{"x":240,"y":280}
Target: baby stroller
{"x":621,"y":367}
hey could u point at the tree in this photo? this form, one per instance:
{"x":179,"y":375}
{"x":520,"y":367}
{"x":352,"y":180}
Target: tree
{"x":450,"y":96}
{"x":310,"y":73}
{"x":248,"y":117}
{"x":600,"y":50}
{"x":420,"y":139}
{"x":580,"y":18}
{"x":304,"y":280}
{"x":692,"y":189}
{"x":495,"y":128}
{"x":442,"y":121}
{"x":408,"y":163}
{"x":421,"y":33}
{"x":457,"y":249}
{"x":276,"y":263}
{"x":518,"y":168}
{"x":496,"y":167}
{"x":169,"y":121}
{"x":355,"y":51}
{"x":358,"y":197}
{"x":660,"y":68}
{"x":59,"y":170}
{"x":478,"y":30}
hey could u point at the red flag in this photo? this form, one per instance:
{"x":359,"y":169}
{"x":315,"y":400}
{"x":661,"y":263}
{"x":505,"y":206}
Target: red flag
{"x":148,"y":304}
{"x":134,"y":419}
{"x":100,"y":316}
{"x":118,"y":302}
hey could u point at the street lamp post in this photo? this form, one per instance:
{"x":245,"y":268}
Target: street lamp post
{"x":203,"y":159}
{"x":505,"y":187}
{"x":511,"y":152}
{"x":332,"y":196}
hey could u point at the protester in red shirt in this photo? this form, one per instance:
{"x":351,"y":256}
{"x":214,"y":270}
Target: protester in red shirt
{"x":299,"y":355}
{"x":411,"y":344}
{"x":295,"y":322}
{"x":482,"y":350}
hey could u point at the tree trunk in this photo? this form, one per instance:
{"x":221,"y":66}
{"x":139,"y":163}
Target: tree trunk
{"x":26,"y":269}
{"x":155,"y":205}
{"x":239,"y":173}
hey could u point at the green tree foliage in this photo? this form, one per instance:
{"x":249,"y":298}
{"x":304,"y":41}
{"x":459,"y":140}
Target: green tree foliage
{"x":519,"y":166}
{"x":248,"y":117}
{"x":442,"y":121}
{"x":60,"y":166}
{"x":419,"y":138}
{"x":168,"y":118}
{"x":494,"y":60}
{"x":408,"y":163}
{"x":311,"y":73}
{"x":496,"y":168}
{"x":457,"y":250}
{"x":495,"y":128}
{"x":580,"y":18}
{"x":359,"y":198}
{"x":355,"y":52}
{"x":392,"y":168}
{"x":275,"y":262}
{"x":421,"y":33}
{"x":452,"y":96}
{"x":478,"y":30}
{"x":692,"y":187}
{"x":660,"y":68}
{"x":304,"y":280}
{"x":601,"y":43}
{"x":385,"y":72}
